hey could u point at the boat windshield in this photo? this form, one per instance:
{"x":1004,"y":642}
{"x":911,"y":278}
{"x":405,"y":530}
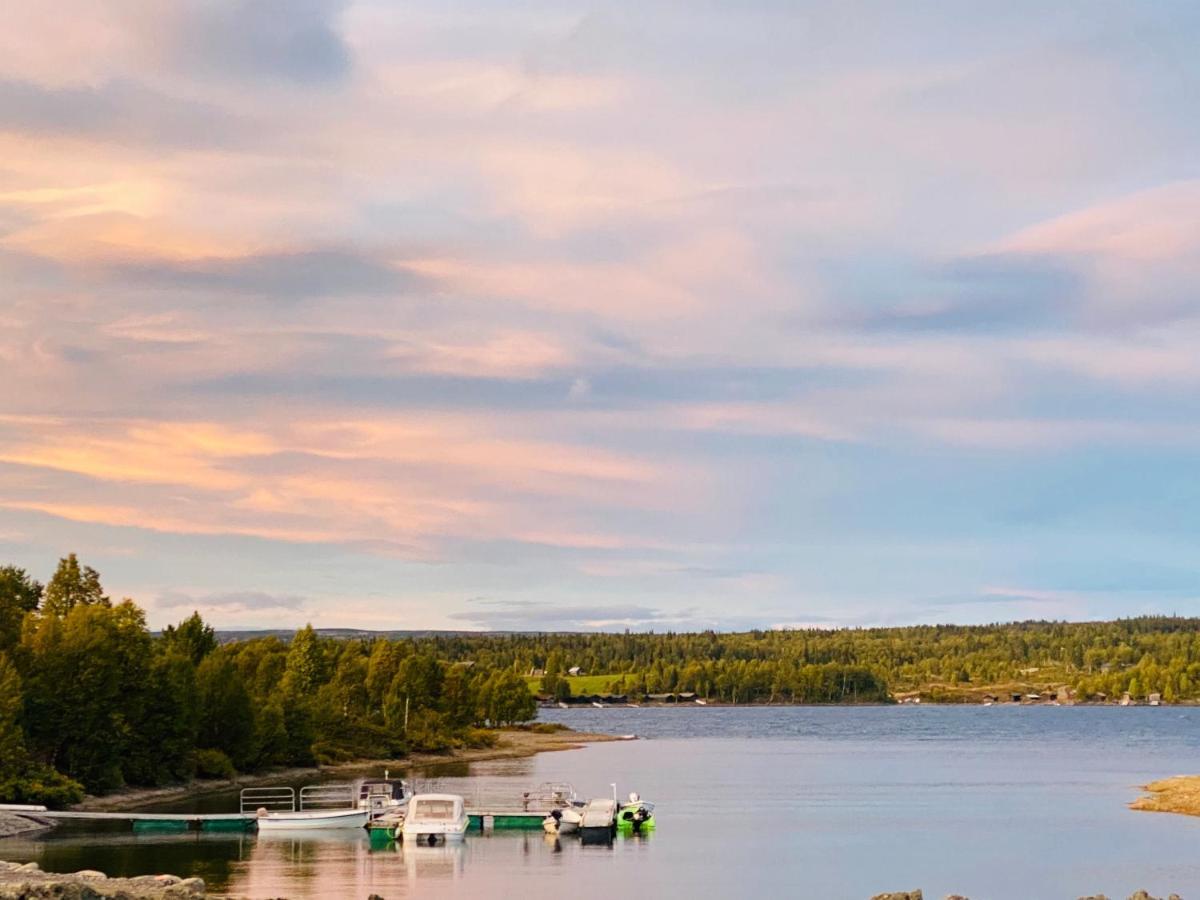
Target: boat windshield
{"x":434,"y":809}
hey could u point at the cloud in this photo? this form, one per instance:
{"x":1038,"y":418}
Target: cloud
{"x":568,"y":305}
{"x":498,"y":615}
{"x":297,"y":275}
{"x":297,"y":41}
{"x":234,"y":602}
{"x":117,"y":110}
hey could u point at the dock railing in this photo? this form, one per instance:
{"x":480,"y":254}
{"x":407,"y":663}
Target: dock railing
{"x":327,"y":796}
{"x":272,"y":799}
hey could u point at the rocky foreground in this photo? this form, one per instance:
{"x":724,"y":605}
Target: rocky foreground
{"x":28,"y":882}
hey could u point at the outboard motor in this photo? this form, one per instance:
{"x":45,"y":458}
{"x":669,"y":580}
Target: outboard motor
{"x":640,"y":815}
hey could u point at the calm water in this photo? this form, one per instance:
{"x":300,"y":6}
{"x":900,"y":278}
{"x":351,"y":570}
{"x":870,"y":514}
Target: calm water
{"x":1000,"y":802}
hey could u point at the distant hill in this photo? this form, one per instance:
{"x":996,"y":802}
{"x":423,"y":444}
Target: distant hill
{"x":226,"y":636}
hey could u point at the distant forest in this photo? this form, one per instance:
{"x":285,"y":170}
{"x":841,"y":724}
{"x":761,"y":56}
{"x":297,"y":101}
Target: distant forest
{"x":948,"y":663}
{"x":91,"y":700}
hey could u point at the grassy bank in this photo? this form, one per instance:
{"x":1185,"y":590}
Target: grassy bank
{"x":511,"y":743}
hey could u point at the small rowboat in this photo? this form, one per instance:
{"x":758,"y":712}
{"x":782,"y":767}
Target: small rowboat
{"x":311,"y":819}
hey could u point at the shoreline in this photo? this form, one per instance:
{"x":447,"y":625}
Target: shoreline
{"x":511,"y":743}
{"x":1179,"y":794}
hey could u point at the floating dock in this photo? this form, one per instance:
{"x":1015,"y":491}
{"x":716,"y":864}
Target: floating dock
{"x":482,"y":819}
{"x":162,"y":822}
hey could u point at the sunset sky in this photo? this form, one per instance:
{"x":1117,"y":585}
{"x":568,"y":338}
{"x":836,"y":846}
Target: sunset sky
{"x":563,"y":316}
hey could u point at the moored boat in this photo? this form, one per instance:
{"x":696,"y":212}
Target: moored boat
{"x":635,"y":816}
{"x":381,"y":796}
{"x":434,"y":818}
{"x":309,"y":820}
{"x":563,"y":821}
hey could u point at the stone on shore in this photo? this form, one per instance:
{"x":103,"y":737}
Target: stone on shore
{"x":15,"y":823}
{"x":28,"y":882}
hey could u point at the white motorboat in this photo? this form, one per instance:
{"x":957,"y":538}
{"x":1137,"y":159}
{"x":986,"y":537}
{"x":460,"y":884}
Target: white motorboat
{"x":311,"y":819}
{"x":434,"y":818}
{"x":563,"y":821}
{"x":382,"y":796}
{"x":550,"y":795}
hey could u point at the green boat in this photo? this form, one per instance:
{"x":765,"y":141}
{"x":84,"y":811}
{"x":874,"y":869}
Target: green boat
{"x":636,"y":816}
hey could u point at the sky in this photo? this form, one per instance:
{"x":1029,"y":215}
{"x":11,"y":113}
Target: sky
{"x":619,"y":315}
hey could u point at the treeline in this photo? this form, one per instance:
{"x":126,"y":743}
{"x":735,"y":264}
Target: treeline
{"x":1140,"y":655}
{"x":91,"y":701}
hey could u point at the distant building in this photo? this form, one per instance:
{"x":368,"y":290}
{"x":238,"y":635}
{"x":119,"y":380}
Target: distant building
{"x":575,"y":670}
{"x":1155,"y":699}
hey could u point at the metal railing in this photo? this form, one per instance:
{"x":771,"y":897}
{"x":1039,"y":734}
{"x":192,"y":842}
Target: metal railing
{"x":327,"y":796}
{"x":272,"y":799}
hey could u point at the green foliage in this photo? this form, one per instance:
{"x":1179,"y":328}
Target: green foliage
{"x":22,"y":780}
{"x":226,"y":715}
{"x":504,"y":699}
{"x":19,"y":595}
{"x":212,"y":763}
{"x":305,"y":668}
{"x":35,"y":783}
{"x":91,"y":700}
{"x":191,"y":637}
{"x":73,"y":585}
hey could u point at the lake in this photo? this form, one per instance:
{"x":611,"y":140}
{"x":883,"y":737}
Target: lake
{"x":836,"y":802}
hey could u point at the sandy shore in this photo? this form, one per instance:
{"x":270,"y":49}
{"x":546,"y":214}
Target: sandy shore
{"x":1180,"y":794}
{"x":512,"y":744}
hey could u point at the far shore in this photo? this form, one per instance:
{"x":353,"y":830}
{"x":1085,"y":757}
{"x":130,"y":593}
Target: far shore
{"x":512,"y":743}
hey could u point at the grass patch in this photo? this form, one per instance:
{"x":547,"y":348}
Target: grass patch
{"x":583,"y":684}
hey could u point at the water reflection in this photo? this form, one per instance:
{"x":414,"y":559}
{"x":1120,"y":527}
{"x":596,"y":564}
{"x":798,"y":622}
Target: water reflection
{"x":762,"y":802}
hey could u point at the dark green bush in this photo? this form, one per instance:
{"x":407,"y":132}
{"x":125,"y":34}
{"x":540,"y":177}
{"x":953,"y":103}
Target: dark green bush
{"x":214,"y":764}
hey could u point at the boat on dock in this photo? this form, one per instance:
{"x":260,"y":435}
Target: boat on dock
{"x":435,"y":818}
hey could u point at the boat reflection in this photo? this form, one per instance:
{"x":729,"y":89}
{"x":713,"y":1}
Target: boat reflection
{"x":341,"y":864}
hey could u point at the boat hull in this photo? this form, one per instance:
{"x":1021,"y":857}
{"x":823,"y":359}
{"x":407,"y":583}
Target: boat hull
{"x":308,"y":821}
{"x":434,"y":834}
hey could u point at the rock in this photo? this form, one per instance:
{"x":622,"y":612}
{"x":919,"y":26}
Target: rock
{"x":899,"y":895}
{"x":956,"y":897}
{"x":28,"y":882}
